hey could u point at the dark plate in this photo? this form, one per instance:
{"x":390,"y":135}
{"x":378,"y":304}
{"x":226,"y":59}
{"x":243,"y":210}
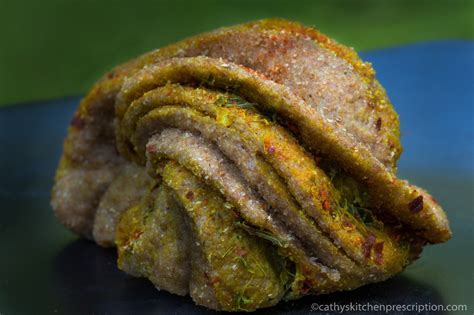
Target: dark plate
{"x":46,"y":269}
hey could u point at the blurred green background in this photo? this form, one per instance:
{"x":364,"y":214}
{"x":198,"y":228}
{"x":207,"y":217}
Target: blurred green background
{"x":55,"y":48}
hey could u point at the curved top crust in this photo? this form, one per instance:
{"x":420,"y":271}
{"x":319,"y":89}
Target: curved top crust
{"x":328,"y":76}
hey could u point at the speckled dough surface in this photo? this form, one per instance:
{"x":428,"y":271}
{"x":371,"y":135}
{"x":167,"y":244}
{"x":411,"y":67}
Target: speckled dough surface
{"x":244,"y":166}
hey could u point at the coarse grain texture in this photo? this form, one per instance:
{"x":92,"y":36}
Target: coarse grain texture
{"x":244,"y":166}
{"x":124,"y":192}
{"x":242,"y":271}
{"x":153,"y":241}
{"x":388,"y":192}
{"x":246,"y":137}
{"x":207,"y":162}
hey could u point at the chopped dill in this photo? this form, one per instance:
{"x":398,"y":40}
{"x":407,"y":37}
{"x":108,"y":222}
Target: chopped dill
{"x":210,"y":81}
{"x":235,"y":101}
{"x":236,"y":236}
{"x":291,"y":274}
{"x":288,"y":277}
{"x":262,"y":234}
{"x":244,"y":262}
{"x":227,"y":251}
{"x":221,"y":100}
{"x":365,"y":215}
{"x":242,"y":299}
{"x":260,"y":267}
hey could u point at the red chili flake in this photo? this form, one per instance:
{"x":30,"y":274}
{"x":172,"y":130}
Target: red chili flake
{"x":111,"y":75}
{"x":256,"y":73}
{"x":378,"y":124}
{"x":269,"y":146}
{"x":367,"y":245}
{"x":416,"y":205}
{"x":136,"y":235}
{"x":323,"y":194}
{"x":326,"y":204}
{"x":306,"y":286}
{"x":241,"y":251}
{"x":215,"y":280}
{"x":190,"y":195}
{"x":77,"y":122}
{"x":205,"y":202}
{"x":378,"y":249}
{"x":150,"y":148}
{"x":276,"y":70}
{"x":346,"y":223}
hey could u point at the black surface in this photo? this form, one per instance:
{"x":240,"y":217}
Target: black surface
{"x":46,"y":269}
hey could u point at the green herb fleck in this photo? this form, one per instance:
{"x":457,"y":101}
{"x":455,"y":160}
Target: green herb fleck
{"x":236,"y":101}
{"x":262,"y":234}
